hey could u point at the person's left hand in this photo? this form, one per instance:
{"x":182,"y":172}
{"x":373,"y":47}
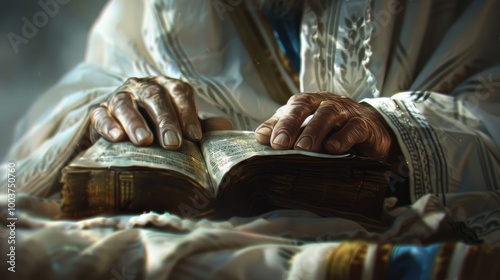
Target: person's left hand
{"x":338,"y":124}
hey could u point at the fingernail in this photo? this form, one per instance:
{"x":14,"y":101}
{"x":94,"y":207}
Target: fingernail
{"x":305,"y":143}
{"x":115,"y":133}
{"x":193,"y":131}
{"x":141,"y":134}
{"x":170,"y":138}
{"x":282,"y":139}
{"x":265,"y":131}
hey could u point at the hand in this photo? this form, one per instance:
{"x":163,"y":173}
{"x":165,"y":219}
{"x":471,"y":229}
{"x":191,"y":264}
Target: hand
{"x":338,"y":124}
{"x":168,"y":103}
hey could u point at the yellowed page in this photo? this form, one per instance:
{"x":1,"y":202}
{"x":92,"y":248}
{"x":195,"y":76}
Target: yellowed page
{"x":187,"y":160}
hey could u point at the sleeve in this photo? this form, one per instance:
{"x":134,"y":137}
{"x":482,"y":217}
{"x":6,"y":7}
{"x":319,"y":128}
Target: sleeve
{"x":451,"y":143}
{"x":54,"y":129}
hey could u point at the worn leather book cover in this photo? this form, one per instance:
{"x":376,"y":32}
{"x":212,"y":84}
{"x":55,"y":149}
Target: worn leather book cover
{"x":227,"y":174}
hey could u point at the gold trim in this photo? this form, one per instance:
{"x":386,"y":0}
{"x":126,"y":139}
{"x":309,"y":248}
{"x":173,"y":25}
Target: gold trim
{"x":382,"y":258}
{"x":443,"y":260}
{"x":347,"y":260}
{"x":285,"y":62}
{"x":262,"y":57}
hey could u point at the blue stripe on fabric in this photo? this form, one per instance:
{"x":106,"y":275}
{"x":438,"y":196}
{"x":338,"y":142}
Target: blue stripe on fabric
{"x":286,"y":31}
{"x":412,"y":262}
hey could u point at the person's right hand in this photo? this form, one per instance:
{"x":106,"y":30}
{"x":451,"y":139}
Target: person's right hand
{"x":168,"y":103}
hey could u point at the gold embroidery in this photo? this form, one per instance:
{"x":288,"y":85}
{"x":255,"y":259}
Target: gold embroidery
{"x":346,"y":261}
{"x":382,"y":259}
{"x":442,"y":261}
{"x":126,"y":183}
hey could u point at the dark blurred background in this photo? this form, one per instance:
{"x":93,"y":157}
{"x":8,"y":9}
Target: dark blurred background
{"x":58,"y":46}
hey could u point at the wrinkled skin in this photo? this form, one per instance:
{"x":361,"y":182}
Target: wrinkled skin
{"x":331,"y":123}
{"x":168,"y":104}
{"x":318,"y":122}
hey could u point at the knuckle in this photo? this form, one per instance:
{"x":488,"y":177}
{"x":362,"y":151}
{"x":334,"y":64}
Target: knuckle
{"x":359,"y":131}
{"x":132,"y":81}
{"x":314,"y":128}
{"x":152,"y":92}
{"x":271,"y":121}
{"x":175,"y":87}
{"x":100,"y":121}
{"x":342,"y":115}
{"x":297,"y":114}
{"x":331,"y":106}
{"x":332,"y":109}
{"x":120,"y":99}
{"x":267,"y":124}
{"x":100,"y":126}
{"x":165,"y":120}
{"x":360,"y":122}
{"x":162,"y":79}
{"x":98,"y":115}
{"x":302,"y":99}
{"x":291,"y":121}
{"x":302,"y":105}
{"x":94,"y":112}
{"x":135,"y":85}
{"x":179,"y":88}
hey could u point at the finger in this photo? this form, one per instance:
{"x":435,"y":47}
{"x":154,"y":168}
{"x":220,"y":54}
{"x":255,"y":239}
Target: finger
{"x":124,"y":109}
{"x":264,"y":131}
{"x":105,"y":125}
{"x":158,"y":105}
{"x":355,"y":131}
{"x":216,"y":123}
{"x":329,"y":116}
{"x":183,"y":96}
{"x":287,"y":128}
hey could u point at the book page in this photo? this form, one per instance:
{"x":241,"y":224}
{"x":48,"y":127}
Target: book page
{"x":224,"y":149}
{"x":187,"y":160}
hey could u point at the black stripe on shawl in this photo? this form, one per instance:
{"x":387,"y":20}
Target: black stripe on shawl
{"x":437,"y":150}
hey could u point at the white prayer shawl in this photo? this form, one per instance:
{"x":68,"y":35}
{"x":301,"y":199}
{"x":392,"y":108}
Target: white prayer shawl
{"x":431,"y":68}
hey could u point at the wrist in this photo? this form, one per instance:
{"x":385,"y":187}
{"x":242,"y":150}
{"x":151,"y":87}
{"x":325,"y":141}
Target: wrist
{"x":393,"y":151}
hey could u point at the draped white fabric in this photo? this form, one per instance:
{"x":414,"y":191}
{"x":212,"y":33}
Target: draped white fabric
{"x":278,"y":245}
{"x":431,"y":68}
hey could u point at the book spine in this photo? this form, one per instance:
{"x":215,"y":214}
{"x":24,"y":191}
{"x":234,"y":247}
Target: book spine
{"x":101,"y":191}
{"x":97,"y":191}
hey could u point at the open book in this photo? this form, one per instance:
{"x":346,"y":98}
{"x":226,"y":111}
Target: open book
{"x":227,"y":174}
